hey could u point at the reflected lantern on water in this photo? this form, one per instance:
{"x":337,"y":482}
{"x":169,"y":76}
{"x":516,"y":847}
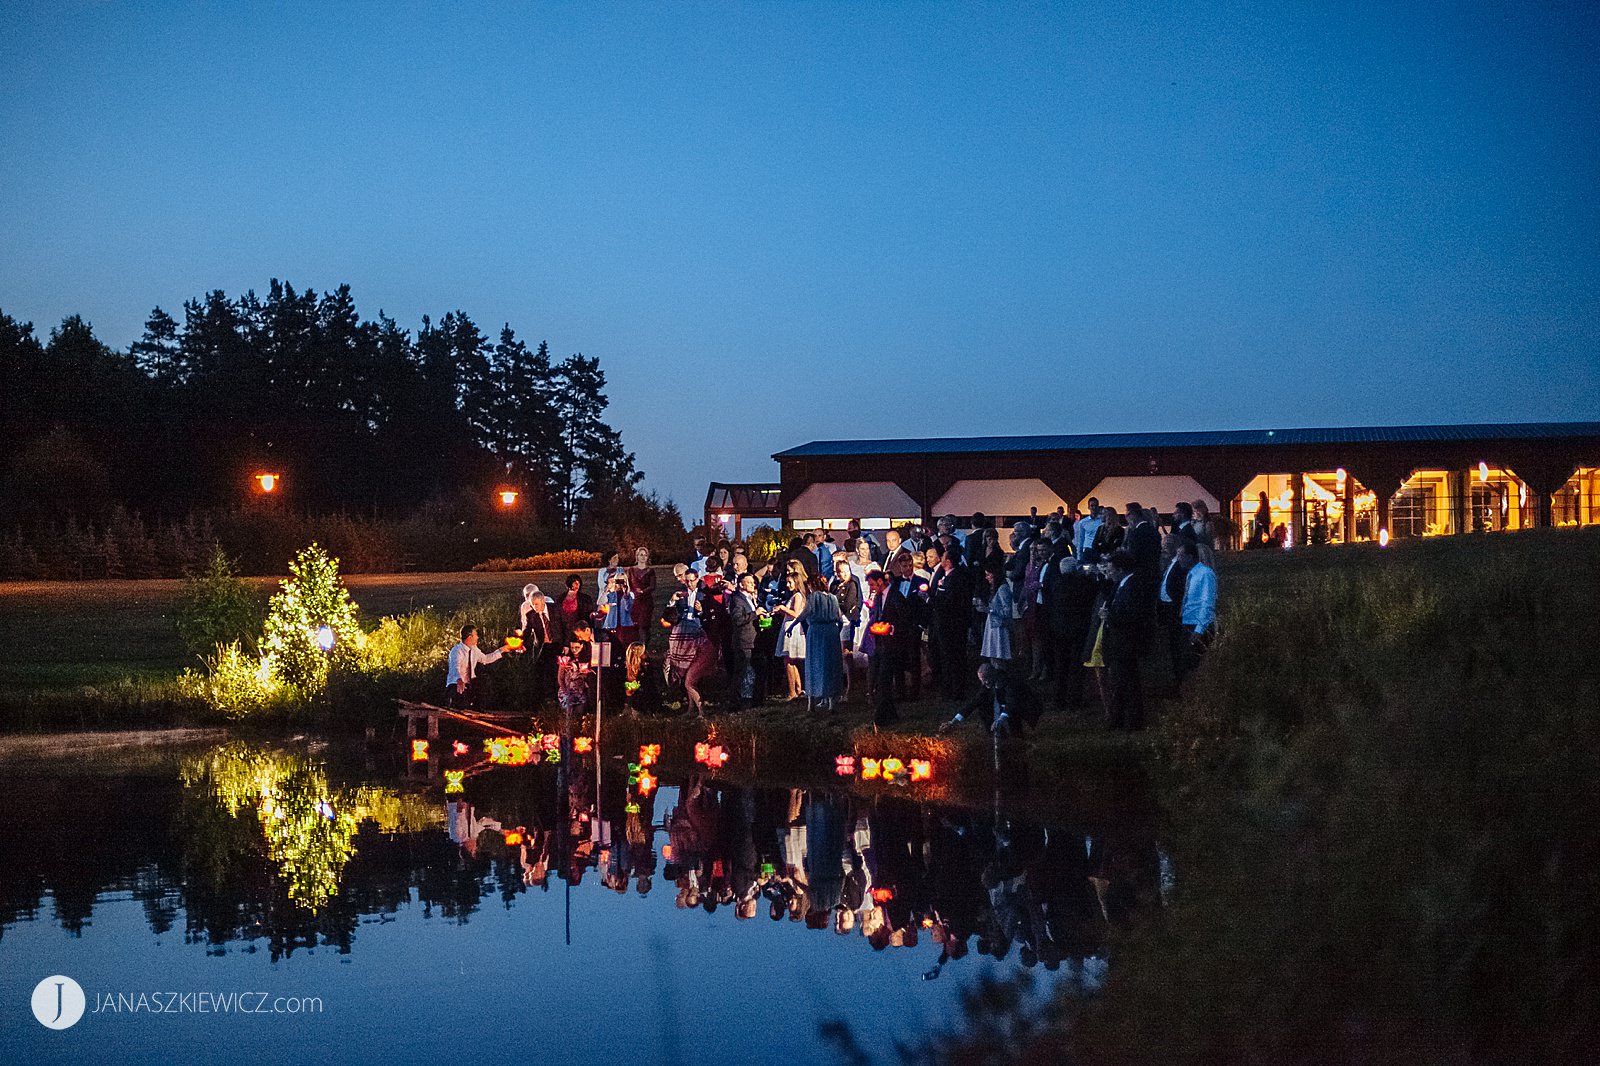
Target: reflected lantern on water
{"x":921,"y":769}
{"x":870,"y":769}
{"x":419,"y":751}
{"x":582,"y":745}
{"x":844,"y":765}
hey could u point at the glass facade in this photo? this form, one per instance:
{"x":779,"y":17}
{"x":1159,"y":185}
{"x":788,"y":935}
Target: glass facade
{"x":1577,"y":503}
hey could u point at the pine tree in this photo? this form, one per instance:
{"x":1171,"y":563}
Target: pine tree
{"x":590,"y":459}
{"x":157,"y":352}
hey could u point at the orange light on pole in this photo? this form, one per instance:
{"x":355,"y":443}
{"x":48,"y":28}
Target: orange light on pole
{"x":508,"y":497}
{"x":268,"y":482}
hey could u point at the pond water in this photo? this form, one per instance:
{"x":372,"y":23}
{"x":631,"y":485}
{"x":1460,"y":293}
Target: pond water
{"x":232,"y":901}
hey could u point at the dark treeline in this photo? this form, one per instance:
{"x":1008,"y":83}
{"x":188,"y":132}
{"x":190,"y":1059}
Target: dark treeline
{"x":360,"y":418}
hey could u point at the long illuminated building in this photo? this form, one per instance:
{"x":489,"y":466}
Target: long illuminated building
{"x":1320,"y":485}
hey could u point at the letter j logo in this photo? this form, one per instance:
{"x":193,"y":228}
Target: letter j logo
{"x":58,"y":1002}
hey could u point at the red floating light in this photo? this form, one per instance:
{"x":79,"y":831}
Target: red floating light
{"x":844,"y":765}
{"x":459,"y":747}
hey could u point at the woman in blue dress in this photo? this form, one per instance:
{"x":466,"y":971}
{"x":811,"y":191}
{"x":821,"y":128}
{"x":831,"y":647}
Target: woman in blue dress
{"x":824,"y":665}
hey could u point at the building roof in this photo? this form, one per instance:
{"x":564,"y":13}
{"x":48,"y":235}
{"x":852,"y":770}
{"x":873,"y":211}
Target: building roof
{"x":1201,"y":439}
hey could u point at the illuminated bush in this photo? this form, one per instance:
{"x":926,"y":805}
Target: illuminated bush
{"x":235,"y":683}
{"x":412,"y":643}
{"x":570,"y":559}
{"x":310,"y":599}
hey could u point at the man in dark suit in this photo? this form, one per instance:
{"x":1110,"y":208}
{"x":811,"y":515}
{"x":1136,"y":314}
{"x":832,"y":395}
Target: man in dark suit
{"x":1127,"y":633}
{"x":1169,"y":604}
{"x":743,"y":610}
{"x":1003,"y":701}
{"x":949,"y":614}
{"x":797,"y":550}
{"x":1143,"y":542}
{"x":1183,"y":523}
{"x":887,"y":614}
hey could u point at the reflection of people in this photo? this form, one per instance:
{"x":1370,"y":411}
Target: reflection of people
{"x":465,"y":660}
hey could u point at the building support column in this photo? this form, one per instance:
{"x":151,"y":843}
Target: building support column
{"x":1460,"y":494}
{"x":1297,"y":510}
{"x":1348,"y":505}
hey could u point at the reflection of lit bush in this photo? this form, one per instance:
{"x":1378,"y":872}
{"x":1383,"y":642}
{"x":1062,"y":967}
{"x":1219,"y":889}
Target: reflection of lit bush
{"x":309,"y":827}
{"x":235,"y":683}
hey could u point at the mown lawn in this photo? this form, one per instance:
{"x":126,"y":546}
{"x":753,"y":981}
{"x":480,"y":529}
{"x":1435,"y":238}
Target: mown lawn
{"x":66,"y":634}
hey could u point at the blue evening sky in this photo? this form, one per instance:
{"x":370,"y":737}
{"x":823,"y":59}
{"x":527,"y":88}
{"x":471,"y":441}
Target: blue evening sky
{"x":786,"y":221}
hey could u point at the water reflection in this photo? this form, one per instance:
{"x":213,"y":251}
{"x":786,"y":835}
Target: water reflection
{"x":250,"y":845}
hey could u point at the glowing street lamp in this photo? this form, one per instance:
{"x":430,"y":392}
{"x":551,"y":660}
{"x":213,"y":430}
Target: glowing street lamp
{"x":1383,"y":538}
{"x":508,"y":497}
{"x":268,"y":482}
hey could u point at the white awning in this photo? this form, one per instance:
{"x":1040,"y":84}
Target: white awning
{"x":998,"y":496}
{"x":1160,"y":492}
{"x":854,"y":499}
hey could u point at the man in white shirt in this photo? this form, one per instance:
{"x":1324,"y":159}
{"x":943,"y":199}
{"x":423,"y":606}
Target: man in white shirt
{"x":465,"y":659}
{"x":1084,"y":532}
{"x":1199,"y":606}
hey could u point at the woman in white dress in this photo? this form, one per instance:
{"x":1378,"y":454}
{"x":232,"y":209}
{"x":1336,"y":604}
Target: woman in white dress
{"x":791,"y":634}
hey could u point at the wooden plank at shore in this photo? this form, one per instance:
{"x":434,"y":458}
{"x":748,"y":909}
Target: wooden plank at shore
{"x":417,"y":707}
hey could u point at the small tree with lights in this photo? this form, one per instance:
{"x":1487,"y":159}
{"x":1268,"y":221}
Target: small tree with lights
{"x":311,"y":623}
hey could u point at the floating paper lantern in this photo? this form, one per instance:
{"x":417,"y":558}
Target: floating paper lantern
{"x":459,"y":747}
{"x":514,"y":643}
{"x":647,"y":783}
{"x":702,"y":752}
{"x":882,"y":895}
{"x":880,"y":629}
{"x":582,"y":745}
{"x":870,"y":769}
{"x":648,"y":754}
{"x":419,"y":751}
{"x":454,"y":782}
{"x":513,"y":837}
{"x":844,"y":765}
{"x":550,"y":742}
{"x":890,"y":767}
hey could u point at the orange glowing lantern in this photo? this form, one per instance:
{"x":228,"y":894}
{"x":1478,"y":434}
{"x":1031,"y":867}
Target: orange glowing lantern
{"x":648,"y":754}
{"x":882,"y":895}
{"x":550,"y":741}
{"x":890,"y":767}
{"x":419,"y":751}
{"x":513,"y":837}
{"x":666,"y":852}
{"x":268,"y":482}
{"x":666,"y":623}
{"x":844,"y":765}
{"x":514,"y":643}
{"x":921,"y":769}
{"x":927,"y":923}
{"x":702,"y":752}
{"x":459,"y":747}
{"x":880,"y":629}
{"x":870,"y":769}
{"x":582,"y":744}
{"x":508,"y":497}
{"x":647,"y":783}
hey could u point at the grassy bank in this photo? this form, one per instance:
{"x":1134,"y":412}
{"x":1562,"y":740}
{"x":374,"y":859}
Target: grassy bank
{"x":1380,"y":798}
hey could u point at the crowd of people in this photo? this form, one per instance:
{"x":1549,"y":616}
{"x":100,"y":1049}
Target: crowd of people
{"x":1073,"y":607}
{"x":893,"y":872}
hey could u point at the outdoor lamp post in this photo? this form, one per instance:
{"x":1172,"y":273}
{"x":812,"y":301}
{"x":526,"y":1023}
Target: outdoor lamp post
{"x":508,"y":497}
{"x":267,"y":483}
